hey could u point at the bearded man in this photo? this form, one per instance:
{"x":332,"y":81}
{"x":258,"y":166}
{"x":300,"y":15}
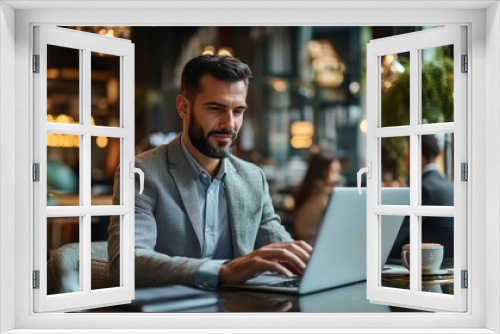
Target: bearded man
{"x":205,"y":217}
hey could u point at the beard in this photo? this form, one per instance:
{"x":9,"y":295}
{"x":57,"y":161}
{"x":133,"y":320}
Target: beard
{"x":201,"y":141}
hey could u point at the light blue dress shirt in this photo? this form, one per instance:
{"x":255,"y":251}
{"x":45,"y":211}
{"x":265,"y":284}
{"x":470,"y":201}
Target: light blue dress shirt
{"x":217,"y":245}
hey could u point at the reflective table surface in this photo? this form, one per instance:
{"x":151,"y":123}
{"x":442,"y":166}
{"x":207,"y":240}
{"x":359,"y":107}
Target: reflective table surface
{"x":345,"y":299}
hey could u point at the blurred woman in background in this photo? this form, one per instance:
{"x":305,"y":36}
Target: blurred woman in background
{"x":313,"y":194}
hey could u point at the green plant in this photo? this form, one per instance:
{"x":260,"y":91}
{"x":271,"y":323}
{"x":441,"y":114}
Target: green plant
{"x":436,"y":101}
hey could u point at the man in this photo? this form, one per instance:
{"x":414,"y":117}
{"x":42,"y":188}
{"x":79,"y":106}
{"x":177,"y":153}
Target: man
{"x":437,"y":191}
{"x":205,"y":217}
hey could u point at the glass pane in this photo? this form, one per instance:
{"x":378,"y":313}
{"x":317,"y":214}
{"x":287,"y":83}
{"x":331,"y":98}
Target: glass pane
{"x":99,"y":252}
{"x":63,"y":251}
{"x":105,"y":89}
{"x":437,"y":169}
{"x":437,"y":254}
{"x":394,"y":235}
{"x":63,"y":84}
{"x":63,"y":166}
{"x":395,"y":171}
{"x":395,"y":86}
{"x":437,"y":84}
{"x":105,"y":153}
{"x":114,"y":249}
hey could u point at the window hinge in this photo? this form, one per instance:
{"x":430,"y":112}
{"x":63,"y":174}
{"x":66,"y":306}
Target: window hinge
{"x":465,"y":64}
{"x":36,"y":172}
{"x":36,"y":279}
{"x":464,"y":171}
{"x":465,"y":279}
{"x":36,"y":63}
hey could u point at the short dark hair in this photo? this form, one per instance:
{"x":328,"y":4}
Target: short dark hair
{"x":224,"y":68}
{"x":430,"y":148}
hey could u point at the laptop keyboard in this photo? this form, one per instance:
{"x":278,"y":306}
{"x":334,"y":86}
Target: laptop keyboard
{"x":293,"y":283}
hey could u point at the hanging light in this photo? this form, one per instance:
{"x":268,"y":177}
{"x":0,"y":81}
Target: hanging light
{"x":301,"y":134}
{"x":112,"y":31}
{"x":390,"y":70}
{"x":328,"y":67}
{"x":223,"y":51}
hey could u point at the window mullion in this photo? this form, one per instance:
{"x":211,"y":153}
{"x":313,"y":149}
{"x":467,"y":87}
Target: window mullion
{"x":415,"y":81}
{"x":86,"y":166}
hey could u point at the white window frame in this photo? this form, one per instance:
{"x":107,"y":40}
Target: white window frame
{"x":85,"y":43}
{"x":414,"y":43}
{"x":483,"y":20}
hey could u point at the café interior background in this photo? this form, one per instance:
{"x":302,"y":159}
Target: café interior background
{"x":308,"y":91}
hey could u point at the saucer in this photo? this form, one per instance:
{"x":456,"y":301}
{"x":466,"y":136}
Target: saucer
{"x":402,"y":271}
{"x":437,"y":272}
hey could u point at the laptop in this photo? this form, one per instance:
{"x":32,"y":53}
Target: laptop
{"x":339,"y":254}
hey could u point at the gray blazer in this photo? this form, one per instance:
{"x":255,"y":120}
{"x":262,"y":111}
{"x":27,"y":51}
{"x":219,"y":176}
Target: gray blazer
{"x":168,"y":225}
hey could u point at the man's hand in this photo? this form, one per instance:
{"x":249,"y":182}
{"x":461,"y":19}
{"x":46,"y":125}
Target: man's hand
{"x":282,"y":258}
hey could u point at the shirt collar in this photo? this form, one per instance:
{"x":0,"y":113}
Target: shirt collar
{"x":198,"y":170}
{"x":429,"y":167}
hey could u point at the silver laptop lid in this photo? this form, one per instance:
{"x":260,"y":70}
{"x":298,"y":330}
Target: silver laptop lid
{"x":339,"y":255}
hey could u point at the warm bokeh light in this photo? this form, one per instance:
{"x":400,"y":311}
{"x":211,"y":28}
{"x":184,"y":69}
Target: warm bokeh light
{"x":301,"y":142}
{"x":112,"y":31}
{"x":101,"y":142}
{"x":390,"y":70}
{"x":302,"y":133}
{"x":327,"y":66}
{"x":279,"y":85}
{"x":225,"y":51}
{"x":209,"y":51}
{"x":363,"y":125}
{"x":62,"y":140}
{"x":63,"y":118}
{"x":303,"y":128}
{"x":388,"y":59}
{"x":53,"y":73}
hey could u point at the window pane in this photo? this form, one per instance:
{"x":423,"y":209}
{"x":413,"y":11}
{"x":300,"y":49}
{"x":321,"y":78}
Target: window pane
{"x":114,"y":230}
{"x":63,"y":251}
{"x":395,"y":171}
{"x":392,"y":240}
{"x":395,"y":89}
{"x":63,"y":166}
{"x":437,"y":169}
{"x":63,"y":84}
{"x":105,"y":89}
{"x":99,"y":252}
{"x":437,"y":254}
{"x":437,"y":84}
{"x":105,"y":153}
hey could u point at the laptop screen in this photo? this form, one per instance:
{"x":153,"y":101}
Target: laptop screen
{"x":339,"y":255}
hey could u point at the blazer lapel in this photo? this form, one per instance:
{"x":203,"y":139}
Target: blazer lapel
{"x":183,"y":178}
{"x":235,"y":190}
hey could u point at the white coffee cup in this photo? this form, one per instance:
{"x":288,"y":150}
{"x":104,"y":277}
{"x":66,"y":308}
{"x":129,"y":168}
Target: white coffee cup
{"x":432,"y":256}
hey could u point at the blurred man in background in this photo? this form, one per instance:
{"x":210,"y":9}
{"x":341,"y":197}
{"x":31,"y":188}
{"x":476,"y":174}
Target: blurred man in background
{"x":437,"y":190}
